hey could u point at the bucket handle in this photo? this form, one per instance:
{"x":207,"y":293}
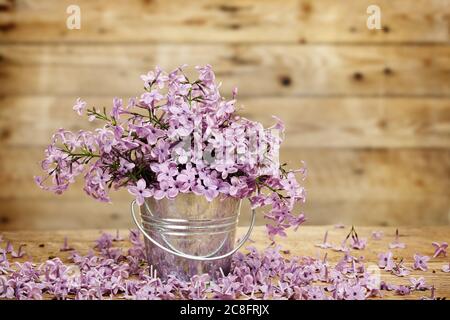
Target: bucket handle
{"x":168,"y":244}
{"x":188,"y":256}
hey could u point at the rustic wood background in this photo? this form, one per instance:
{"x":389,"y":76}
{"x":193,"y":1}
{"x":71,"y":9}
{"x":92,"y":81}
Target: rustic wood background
{"x":368,"y":110}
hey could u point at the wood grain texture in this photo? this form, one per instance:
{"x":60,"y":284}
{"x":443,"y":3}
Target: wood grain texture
{"x":41,"y":245}
{"x":225,"y":21}
{"x":325,"y":123}
{"x":51,"y":214}
{"x":258,"y":70}
{"x":369,"y":110}
{"x":378,"y":186}
{"x":333,"y":173}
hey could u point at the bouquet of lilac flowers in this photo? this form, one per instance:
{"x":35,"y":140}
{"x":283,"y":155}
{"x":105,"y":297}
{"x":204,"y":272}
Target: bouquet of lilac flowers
{"x":179,"y":136}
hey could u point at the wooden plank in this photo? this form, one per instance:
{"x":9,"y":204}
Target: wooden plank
{"x":41,"y":245}
{"x":366,"y":211}
{"x":334,"y":174}
{"x":58,"y":213}
{"x":327,"y":122}
{"x":258,"y":70}
{"x":229,"y":21}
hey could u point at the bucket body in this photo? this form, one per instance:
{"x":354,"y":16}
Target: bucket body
{"x":190,"y":225}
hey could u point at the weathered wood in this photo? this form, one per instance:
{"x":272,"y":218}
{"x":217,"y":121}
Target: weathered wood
{"x":57,"y":213}
{"x":225,"y":21}
{"x":258,"y":70}
{"x":41,"y":245}
{"x":328,"y":122}
{"x":53,"y":214}
{"x":333,"y":173}
{"x":380,"y":186}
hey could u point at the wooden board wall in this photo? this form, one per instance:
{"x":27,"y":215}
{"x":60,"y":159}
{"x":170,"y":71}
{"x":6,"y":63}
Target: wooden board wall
{"x":368,"y":110}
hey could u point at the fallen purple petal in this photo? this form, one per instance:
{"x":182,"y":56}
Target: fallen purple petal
{"x":358,"y":243}
{"x":396,"y":244}
{"x":385,"y":261}
{"x":117,"y":237}
{"x":419,"y":284}
{"x":400,"y":270}
{"x":440,"y":249}
{"x":66,"y":246}
{"x":420,"y":262}
{"x":324,"y":244}
{"x":9,"y":247}
{"x":20,"y":253}
{"x":377,"y":235}
{"x":113,"y":272}
{"x":403,"y":290}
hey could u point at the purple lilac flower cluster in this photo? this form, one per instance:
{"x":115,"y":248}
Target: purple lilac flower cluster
{"x":179,"y":136}
{"x":111,"y":271}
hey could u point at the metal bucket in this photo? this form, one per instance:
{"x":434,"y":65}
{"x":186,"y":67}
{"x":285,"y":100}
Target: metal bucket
{"x":190,"y":235}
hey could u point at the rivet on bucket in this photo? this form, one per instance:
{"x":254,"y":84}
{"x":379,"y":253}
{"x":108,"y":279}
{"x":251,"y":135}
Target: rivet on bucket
{"x":190,"y":235}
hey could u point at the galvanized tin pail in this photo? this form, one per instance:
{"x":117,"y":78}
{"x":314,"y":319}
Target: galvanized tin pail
{"x":190,"y":235}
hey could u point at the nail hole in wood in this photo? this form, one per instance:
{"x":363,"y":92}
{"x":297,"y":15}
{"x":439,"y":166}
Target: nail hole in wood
{"x":4,"y":220}
{"x":5,"y":134}
{"x":235,"y":26}
{"x":387,"y":71}
{"x":285,"y":80}
{"x":382,"y":123}
{"x":358,"y":76}
{"x":229,"y":8}
{"x":6,"y":27}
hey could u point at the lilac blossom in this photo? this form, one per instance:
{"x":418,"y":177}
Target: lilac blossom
{"x":66,"y":246}
{"x":385,"y":261}
{"x":20,"y":252}
{"x":295,"y":221}
{"x":155,"y":77}
{"x":387,"y":286}
{"x":105,"y":241}
{"x":356,"y":292}
{"x":80,"y":106}
{"x":187,"y":180}
{"x":140,"y":191}
{"x":420,"y":262}
{"x":324,"y":244}
{"x":358,"y":243}
{"x":396,"y":244}
{"x":273,"y":231}
{"x":402,"y":290}
{"x":178,"y":136}
{"x":151,"y":98}
{"x":446,"y":267}
{"x":440,"y":249}
{"x":117,"y":108}
{"x":419,"y":284}
{"x":9,"y":247}
{"x":342,"y":247}
{"x":400,"y":270}
{"x":377,"y":235}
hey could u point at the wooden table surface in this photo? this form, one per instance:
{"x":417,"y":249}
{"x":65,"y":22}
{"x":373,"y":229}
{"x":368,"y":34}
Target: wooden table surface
{"x":41,"y":246}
